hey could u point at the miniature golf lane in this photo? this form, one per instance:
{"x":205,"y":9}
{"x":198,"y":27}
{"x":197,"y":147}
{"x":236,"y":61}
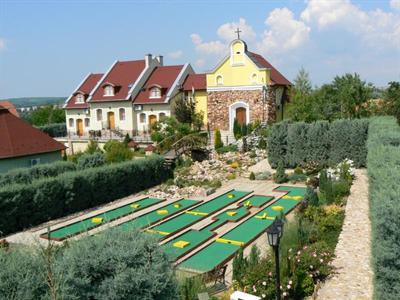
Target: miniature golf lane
{"x":159,"y":214}
{"x":184,"y":243}
{"x":190,"y":217}
{"x":103,"y":218}
{"x":224,"y":247}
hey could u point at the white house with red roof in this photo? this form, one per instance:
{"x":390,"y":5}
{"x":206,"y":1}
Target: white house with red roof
{"x":128,"y":98}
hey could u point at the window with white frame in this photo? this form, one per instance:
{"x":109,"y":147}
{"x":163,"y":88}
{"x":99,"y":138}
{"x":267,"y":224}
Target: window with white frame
{"x":219,"y":80}
{"x":155,"y":92}
{"x":87,"y":122}
{"x":99,"y":114}
{"x":71,"y":122}
{"x":142,"y":118}
{"x":108,"y":90}
{"x":122,"y":114}
{"x":80,"y":98}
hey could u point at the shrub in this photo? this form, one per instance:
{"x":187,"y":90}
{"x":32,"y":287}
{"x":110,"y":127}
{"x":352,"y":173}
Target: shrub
{"x":91,"y":161}
{"x":226,"y":149}
{"x":237,"y":132}
{"x":252,"y":176}
{"x":384,"y":176}
{"x":27,"y":175}
{"x":117,"y":152}
{"x":262,"y":144}
{"x":298,"y":170}
{"x":263,"y":175}
{"x":217,"y":139}
{"x":280,"y":176}
{"x":297,"y":177}
{"x":26,"y":205}
{"x":93,"y":147}
{"x":311,"y":197}
{"x":235,"y":165}
{"x":191,"y":286}
{"x":55,"y":129}
{"x":321,"y":142}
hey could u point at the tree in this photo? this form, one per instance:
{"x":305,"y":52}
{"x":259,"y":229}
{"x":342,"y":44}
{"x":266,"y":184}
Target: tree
{"x":254,"y":257}
{"x":280,"y":176}
{"x":392,"y":96}
{"x":47,"y":115}
{"x":311,"y":196}
{"x":217,"y":139}
{"x":302,"y":82}
{"x":239,"y":266}
{"x":117,"y":151}
{"x":184,"y":110}
{"x":237,"y":131}
{"x":93,"y":147}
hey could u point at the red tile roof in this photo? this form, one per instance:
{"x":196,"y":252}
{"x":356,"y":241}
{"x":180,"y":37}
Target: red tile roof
{"x":85,"y":88}
{"x":163,"y":77}
{"x":195,"y":81}
{"x":276,"y":77}
{"x":19,"y":138}
{"x":122,"y":75}
{"x":10,"y":106}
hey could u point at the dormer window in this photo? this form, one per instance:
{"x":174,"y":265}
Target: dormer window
{"x":80,"y":98}
{"x":108,"y":90}
{"x":155,"y":92}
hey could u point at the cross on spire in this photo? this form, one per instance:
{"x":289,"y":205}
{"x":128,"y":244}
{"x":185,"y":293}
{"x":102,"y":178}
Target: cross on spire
{"x":238,"y":31}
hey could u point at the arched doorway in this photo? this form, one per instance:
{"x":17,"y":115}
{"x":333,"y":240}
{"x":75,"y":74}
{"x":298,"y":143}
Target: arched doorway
{"x":241,"y":116}
{"x":79,"y":127}
{"x":152,"y":120}
{"x":111,"y":120}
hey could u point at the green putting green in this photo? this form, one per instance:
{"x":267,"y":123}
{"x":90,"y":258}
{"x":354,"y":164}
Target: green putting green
{"x":159,"y":214}
{"x":200,"y":212}
{"x":198,"y":237}
{"x":224,"y":247}
{"x":100,"y":219}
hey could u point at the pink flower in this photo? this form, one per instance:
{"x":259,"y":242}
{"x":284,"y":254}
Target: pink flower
{"x":254,"y":288}
{"x":314,"y":254}
{"x":289,"y":286}
{"x":270,"y":273}
{"x":298,"y":252}
{"x":305,"y":247}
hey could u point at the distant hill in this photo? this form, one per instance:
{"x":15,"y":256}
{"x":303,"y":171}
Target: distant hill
{"x":36,"y":101}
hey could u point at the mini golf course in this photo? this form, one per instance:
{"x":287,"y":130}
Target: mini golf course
{"x":158,"y":215}
{"x":223,"y":248}
{"x":192,"y":239}
{"x":190,"y":217}
{"x":70,"y":230}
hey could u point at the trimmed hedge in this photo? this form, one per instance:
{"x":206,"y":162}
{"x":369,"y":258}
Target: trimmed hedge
{"x":27,"y":175}
{"x":54,"y":130}
{"x":323,"y":142}
{"x":383,"y":163}
{"x":26,"y":205}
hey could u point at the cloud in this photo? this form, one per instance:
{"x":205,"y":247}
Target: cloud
{"x":228,"y":33}
{"x":377,"y":28}
{"x":2,"y":44}
{"x":395,"y":4}
{"x":176,"y":54}
{"x":283,"y":33}
{"x":207,"y":48}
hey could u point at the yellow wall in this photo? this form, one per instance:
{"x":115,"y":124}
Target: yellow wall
{"x":237,"y":70}
{"x":201,"y":103}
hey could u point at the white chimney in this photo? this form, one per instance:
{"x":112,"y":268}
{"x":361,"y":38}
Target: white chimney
{"x":147,"y":59}
{"x":160,"y":59}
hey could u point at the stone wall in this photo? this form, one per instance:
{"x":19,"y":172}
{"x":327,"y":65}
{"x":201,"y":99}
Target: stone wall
{"x":218,"y":106}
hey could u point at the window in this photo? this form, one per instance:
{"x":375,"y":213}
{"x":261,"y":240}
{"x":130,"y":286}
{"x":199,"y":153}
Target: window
{"x":87,"y":122}
{"x":109,"y":90}
{"x":155,"y":92}
{"x":122,"y":114}
{"x":142,"y":118}
{"x":254,"y":78}
{"x":99,"y":113}
{"x":35,"y":161}
{"x":71,"y":122}
{"x":80,"y":98}
{"x":219,"y":80}
{"x":161,"y":116}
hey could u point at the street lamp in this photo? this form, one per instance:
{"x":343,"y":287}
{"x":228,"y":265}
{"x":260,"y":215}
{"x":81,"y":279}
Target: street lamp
{"x":274,"y":234}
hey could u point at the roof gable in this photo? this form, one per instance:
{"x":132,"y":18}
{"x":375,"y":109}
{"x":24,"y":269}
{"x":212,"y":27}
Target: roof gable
{"x":10,"y":106}
{"x":122,"y":75}
{"x":85,"y":88}
{"x":19,"y":138}
{"x":163,"y":77}
{"x":195,"y":81}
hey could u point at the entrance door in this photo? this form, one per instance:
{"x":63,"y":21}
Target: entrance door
{"x":241,"y":115}
{"x":111,"y":120}
{"x":79,"y":127}
{"x":152,"y":120}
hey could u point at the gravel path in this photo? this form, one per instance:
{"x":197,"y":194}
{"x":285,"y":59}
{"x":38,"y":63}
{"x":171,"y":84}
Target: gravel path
{"x":353,"y":278}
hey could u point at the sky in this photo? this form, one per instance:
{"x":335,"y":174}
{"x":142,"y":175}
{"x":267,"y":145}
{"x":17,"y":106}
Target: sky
{"x":48,"y":47}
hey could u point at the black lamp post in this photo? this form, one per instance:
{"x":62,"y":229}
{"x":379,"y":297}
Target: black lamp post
{"x":274,"y":234}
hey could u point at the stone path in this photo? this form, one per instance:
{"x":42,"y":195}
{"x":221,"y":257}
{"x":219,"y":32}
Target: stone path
{"x":353,"y":278}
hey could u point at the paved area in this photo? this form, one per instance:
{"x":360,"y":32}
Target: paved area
{"x":353,"y":277}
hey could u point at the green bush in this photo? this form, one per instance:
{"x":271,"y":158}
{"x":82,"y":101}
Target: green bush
{"x":217,"y":139}
{"x":96,"y":159}
{"x":252,"y":176}
{"x":116,"y":151}
{"x":383,"y":164}
{"x":54,"y":130}
{"x":293,"y":177}
{"x":321,"y":143}
{"x":226,"y":149}
{"x":26,"y":205}
{"x":27,"y":175}
{"x":280,"y":176}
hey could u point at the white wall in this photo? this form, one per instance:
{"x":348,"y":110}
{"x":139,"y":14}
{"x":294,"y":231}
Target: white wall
{"x":76,"y":114}
{"x":106,"y":107}
{"x":151,"y":109}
